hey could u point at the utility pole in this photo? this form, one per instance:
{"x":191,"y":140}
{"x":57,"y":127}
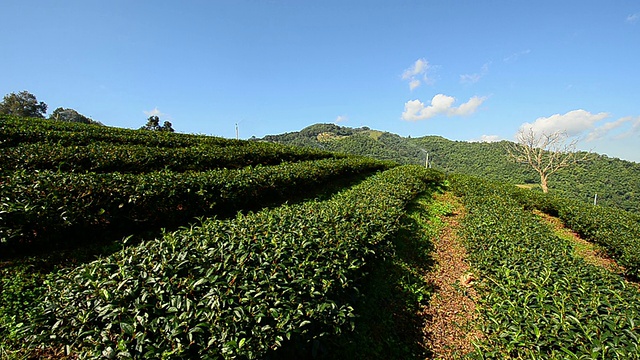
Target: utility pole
{"x":426,"y":162}
{"x":237,"y":132}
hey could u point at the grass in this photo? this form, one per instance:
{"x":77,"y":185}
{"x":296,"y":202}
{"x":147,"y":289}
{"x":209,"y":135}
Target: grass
{"x":529,"y":186}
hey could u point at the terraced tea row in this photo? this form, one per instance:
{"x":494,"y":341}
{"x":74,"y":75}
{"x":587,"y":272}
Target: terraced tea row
{"x":16,"y":131}
{"x":540,"y":300}
{"x":615,"y":230}
{"x":105,"y":157}
{"x":45,"y":206}
{"x":233,"y":288}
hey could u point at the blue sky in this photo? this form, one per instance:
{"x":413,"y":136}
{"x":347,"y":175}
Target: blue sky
{"x":465,"y":70}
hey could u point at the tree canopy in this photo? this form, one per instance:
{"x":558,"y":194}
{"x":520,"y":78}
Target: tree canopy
{"x":23,"y":104}
{"x":70,"y":115}
{"x":153,"y":123}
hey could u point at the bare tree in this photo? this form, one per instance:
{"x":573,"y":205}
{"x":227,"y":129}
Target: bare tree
{"x":545,"y":153}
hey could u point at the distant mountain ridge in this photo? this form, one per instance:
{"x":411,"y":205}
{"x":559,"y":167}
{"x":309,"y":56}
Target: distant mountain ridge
{"x":615,"y":181}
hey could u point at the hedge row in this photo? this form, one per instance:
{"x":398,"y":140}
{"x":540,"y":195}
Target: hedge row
{"x":15,"y":131}
{"x":229,"y":289}
{"x":104,"y":157}
{"x":540,"y":300}
{"x":44,"y":205}
{"x":616,"y":231}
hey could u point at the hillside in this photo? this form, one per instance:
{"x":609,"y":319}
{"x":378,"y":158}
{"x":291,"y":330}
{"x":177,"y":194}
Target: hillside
{"x":617,"y":182}
{"x":143,"y":244}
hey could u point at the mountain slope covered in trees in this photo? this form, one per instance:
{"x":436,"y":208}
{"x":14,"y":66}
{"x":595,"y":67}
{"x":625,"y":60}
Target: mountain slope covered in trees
{"x":616,"y":182}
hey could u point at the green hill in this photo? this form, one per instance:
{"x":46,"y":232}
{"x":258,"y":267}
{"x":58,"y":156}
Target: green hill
{"x":617,"y":182}
{"x":132,"y":244}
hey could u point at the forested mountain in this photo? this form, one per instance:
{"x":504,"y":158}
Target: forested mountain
{"x":615,"y":181}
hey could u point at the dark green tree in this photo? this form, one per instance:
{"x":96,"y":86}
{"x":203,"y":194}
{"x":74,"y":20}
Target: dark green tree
{"x":153,"y":123}
{"x":23,"y":104}
{"x":166,"y":126}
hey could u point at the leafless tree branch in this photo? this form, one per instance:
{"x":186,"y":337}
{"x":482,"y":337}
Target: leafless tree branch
{"x":545,"y":153}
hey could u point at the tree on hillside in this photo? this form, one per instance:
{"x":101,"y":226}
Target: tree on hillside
{"x":545,"y":153}
{"x":70,"y":115}
{"x":167,"y":126}
{"x":23,"y":104}
{"x":153,"y":123}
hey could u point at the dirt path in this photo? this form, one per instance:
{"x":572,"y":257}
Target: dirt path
{"x":451,"y":314}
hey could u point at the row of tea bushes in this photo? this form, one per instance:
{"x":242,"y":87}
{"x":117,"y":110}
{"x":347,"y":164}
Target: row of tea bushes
{"x":616,"y":231}
{"x":540,"y":300}
{"x":15,"y":131}
{"x":106,"y":157}
{"x":44,"y":205}
{"x":234,"y":288}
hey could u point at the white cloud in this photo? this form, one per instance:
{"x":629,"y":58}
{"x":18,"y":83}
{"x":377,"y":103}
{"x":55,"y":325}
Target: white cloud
{"x":632,"y":130}
{"x":516,"y":56}
{"x":573,"y":123}
{"x":606,"y":128}
{"x":468,"y":108}
{"x":474,"y":78}
{"x":417,"y":73}
{"x":633,"y":18}
{"x":341,"y":118}
{"x":440,"y":104}
{"x":415,"y":109}
{"x":636,"y":125}
{"x":581,"y":122}
{"x":488,"y":138}
{"x":418,"y":68}
{"x":154,"y":112}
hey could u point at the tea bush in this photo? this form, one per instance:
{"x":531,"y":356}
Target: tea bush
{"x":229,"y":288}
{"x":43,"y":206}
{"x":540,"y":300}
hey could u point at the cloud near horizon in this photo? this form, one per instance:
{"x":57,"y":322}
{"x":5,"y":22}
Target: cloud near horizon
{"x":607,"y":128}
{"x":154,"y":112}
{"x":574,"y":123}
{"x":417,"y":73}
{"x":583,"y":123}
{"x":341,"y":118}
{"x":488,"y":138}
{"x":440,"y":105}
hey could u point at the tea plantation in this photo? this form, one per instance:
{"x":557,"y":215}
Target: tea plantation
{"x":132,"y":244}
